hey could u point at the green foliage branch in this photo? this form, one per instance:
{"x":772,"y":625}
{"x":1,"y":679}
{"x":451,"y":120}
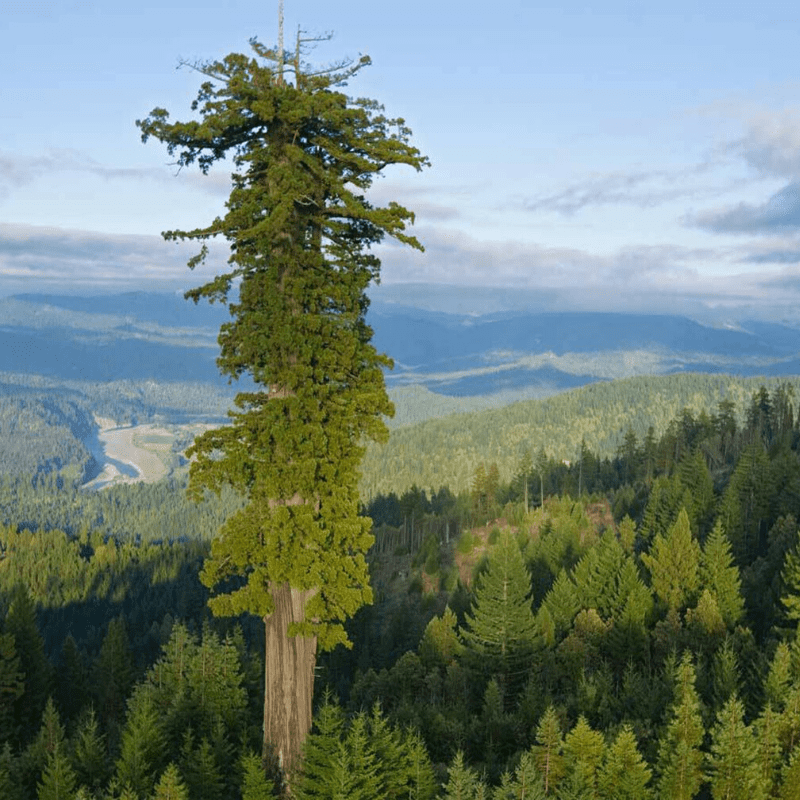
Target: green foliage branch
{"x":300,"y":231}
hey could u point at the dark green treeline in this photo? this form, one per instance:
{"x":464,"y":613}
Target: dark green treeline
{"x":618,"y":626}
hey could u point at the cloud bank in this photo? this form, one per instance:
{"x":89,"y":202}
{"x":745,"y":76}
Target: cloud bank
{"x":36,"y":258}
{"x":779,"y":214}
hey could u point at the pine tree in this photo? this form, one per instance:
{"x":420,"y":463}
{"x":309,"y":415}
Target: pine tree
{"x":548,"y":751}
{"x":680,"y":760}
{"x":72,"y":688}
{"x":720,"y":576}
{"x":674,"y":564}
{"x":561,"y":604}
{"x":695,"y":476}
{"x":113,"y":676}
{"x":90,"y":754}
{"x":12,"y":685}
{"x":500,"y":630}
{"x":779,"y":677}
{"x":767,"y":734}
{"x":404,"y":769}
{"x":421,"y":781}
{"x":255,"y":784}
{"x":170,"y":786}
{"x":58,"y":780}
{"x":745,"y":502}
{"x":49,"y":739}
{"x":320,"y":754}
{"x":440,"y":644}
{"x":584,"y":751}
{"x":790,"y":777}
{"x":790,"y":583}
{"x":463,"y":782}
{"x":365,"y":781}
{"x":29,"y":645}
{"x":526,"y":783}
{"x":143,"y":746}
{"x":733,"y":763}
{"x":200,"y":770}
{"x":595,"y":575}
{"x":726,"y":677}
{"x":625,"y":775}
{"x":300,"y":231}
{"x":10,"y":783}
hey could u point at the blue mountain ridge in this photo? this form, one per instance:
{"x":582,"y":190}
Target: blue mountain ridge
{"x":149,"y":336}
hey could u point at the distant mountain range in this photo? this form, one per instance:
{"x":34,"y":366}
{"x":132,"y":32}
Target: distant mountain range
{"x":140,"y":336}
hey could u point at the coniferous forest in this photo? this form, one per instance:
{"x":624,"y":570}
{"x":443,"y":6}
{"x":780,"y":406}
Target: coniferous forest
{"x":622,"y":625}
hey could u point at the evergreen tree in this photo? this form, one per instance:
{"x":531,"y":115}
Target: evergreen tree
{"x":463,"y":782}
{"x":440,"y":644}
{"x":667,"y":496}
{"x":300,"y":230}
{"x":745,"y":502}
{"x":403,"y":765}
{"x":779,"y":677}
{"x":720,"y":576}
{"x":548,"y":751}
{"x":10,"y":784}
{"x":625,"y":775}
{"x":726,"y":677}
{"x":595,"y":575}
{"x":767,"y":734}
{"x":584,"y":752}
{"x":790,"y":777}
{"x":526,"y":784}
{"x":674,"y":564}
{"x":680,"y":760}
{"x":500,"y":629}
{"x":143,"y":746}
{"x":421,"y":781}
{"x":696,"y":478}
{"x":733,"y":763}
{"x":561,"y":604}
{"x":38,"y":754}
{"x":113,"y":676}
{"x":255,"y":784}
{"x":21,"y":624}
{"x":200,"y":770}
{"x":790,"y":583}
{"x":58,"y":780}
{"x":363,"y":768}
{"x":170,"y":786}
{"x":12,"y":685}
{"x":320,"y":754}
{"x":72,"y":688}
{"x":90,"y":754}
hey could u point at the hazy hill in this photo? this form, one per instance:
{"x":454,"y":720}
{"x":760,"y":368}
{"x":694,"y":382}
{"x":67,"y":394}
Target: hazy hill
{"x":444,"y":362}
{"x":538,"y":354}
{"x":447,"y":451}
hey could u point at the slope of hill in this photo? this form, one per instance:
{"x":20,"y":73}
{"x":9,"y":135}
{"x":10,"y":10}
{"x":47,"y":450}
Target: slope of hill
{"x":508,"y":356}
{"x":447,"y":451}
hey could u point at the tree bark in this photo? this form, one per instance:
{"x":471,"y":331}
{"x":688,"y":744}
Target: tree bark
{"x":288,"y":679}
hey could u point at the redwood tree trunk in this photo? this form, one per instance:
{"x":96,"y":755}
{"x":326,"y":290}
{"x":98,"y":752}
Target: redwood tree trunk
{"x":288,"y":679}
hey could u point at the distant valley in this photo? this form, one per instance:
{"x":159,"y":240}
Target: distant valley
{"x":444,"y":361}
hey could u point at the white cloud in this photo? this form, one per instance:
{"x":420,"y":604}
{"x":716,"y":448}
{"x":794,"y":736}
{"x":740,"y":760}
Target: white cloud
{"x":779,"y":213}
{"x":18,"y":170}
{"x":33,"y":258}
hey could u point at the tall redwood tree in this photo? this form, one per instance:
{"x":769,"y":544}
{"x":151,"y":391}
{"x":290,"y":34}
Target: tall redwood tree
{"x":300,"y":231}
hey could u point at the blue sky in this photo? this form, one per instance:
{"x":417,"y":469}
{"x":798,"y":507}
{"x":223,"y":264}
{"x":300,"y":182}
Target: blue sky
{"x":612,"y":155}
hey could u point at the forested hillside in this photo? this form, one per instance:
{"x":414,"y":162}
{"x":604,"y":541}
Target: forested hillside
{"x":624,"y":625}
{"x":447,"y":451}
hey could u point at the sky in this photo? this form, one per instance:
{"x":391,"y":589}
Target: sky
{"x":584,"y":155}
